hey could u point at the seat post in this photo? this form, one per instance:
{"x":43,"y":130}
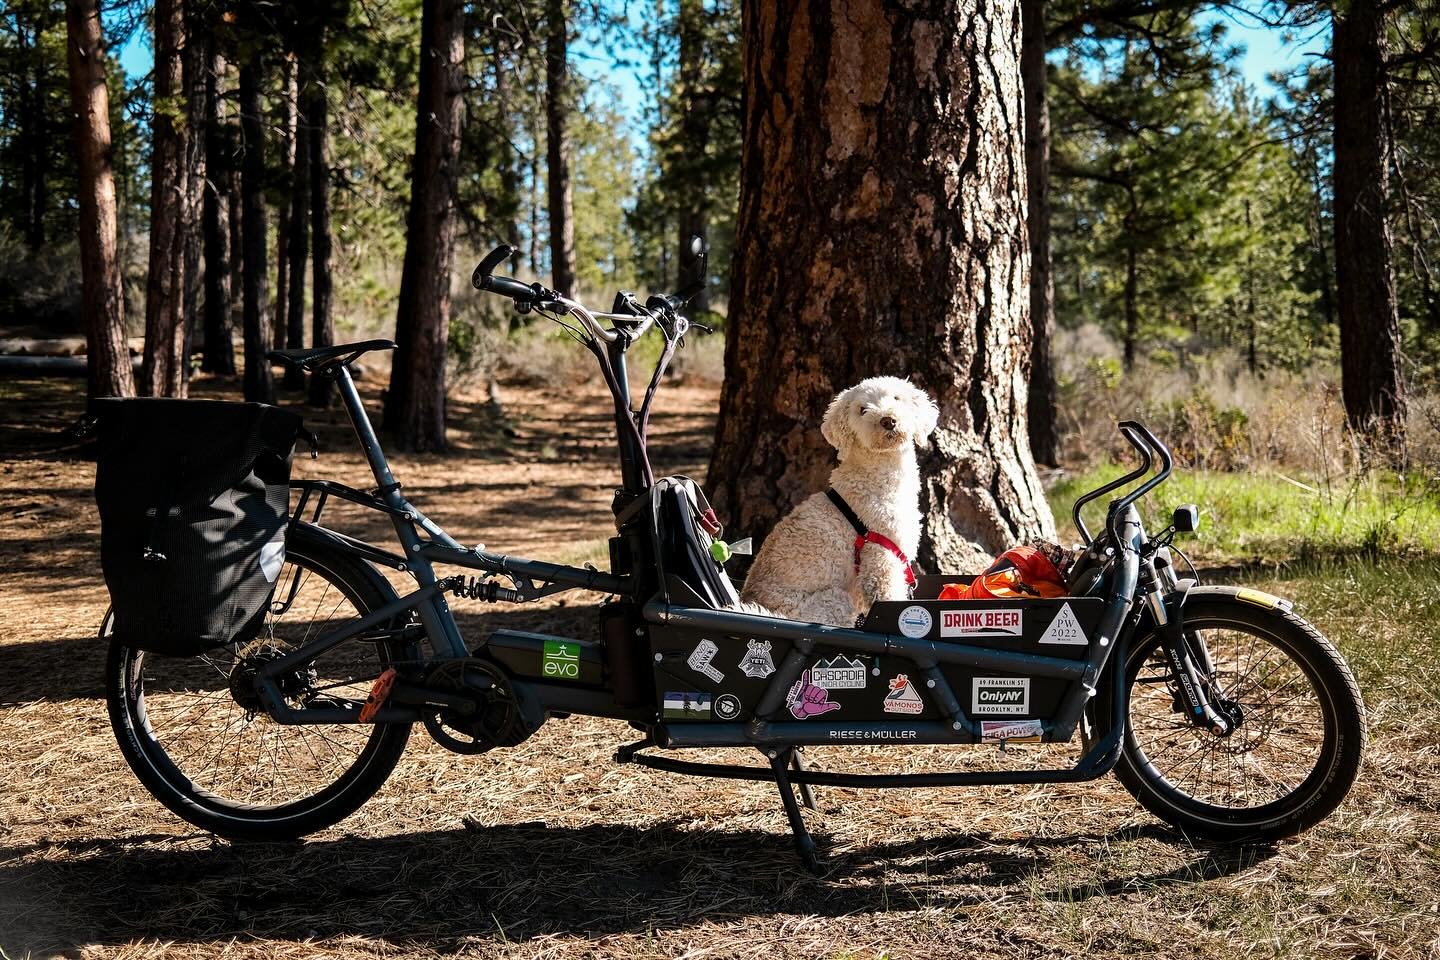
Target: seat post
{"x":379,"y":466}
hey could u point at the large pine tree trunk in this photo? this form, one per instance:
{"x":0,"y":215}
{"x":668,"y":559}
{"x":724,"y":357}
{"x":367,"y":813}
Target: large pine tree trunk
{"x":289,"y":117}
{"x":557,"y":148}
{"x":196,"y":58}
{"x":322,"y":316}
{"x":108,"y":359}
{"x":1372,"y":382}
{"x":882,"y":231}
{"x":219,"y":353}
{"x":415,"y":404}
{"x":1042,"y":415}
{"x":161,"y":373}
{"x":694,"y":131}
{"x":259,"y":386}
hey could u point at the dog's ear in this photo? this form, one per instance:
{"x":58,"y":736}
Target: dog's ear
{"x":836,"y":427}
{"x":927,"y":414}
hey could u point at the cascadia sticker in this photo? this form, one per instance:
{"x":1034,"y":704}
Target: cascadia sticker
{"x":1065,"y":628}
{"x":1025,"y":731}
{"x":994,"y":622}
{"x":687,"y":705}
{"x":838,"y":673}
{"x":915,"y":622}
{"x":1001,"y":695}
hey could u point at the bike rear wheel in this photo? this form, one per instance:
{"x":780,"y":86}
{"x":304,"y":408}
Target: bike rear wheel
{"x":195,"y":735}
{"x":1299,"y":735}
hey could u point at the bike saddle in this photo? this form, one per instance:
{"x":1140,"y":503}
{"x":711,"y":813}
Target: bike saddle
{"x":323,"y":358}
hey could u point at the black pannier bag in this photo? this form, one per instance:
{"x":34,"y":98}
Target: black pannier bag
{"x":194,"y":498}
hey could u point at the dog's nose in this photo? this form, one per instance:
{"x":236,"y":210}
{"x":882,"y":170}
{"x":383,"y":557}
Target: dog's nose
{"x":887,"y":423}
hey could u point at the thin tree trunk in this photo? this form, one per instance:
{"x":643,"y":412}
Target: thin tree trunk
{"x":694,"y":131}
{"x":297,"y":237}
{"x":258,"y":384}
{"x":219,"y":355}
{"x":107,"y":358}
{"x":1042,"y":416}
{"x":160,"y":373}
{"x":322,"y":319}
{"x":1252,"y":321}
{"x":557,"y":148}
{"x":196,"y":70}
{"x":415,"y":403}
{"x":289,"y":115}
{"x":881,"y":231}
{"x":1372,"y":382}
{"x":1132,"y":310}
{"x":234,"y":218}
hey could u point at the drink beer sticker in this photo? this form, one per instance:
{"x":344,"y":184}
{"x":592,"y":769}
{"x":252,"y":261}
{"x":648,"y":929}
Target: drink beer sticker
{"x":991,"y":622}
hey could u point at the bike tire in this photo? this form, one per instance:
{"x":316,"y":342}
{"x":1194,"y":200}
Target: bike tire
{"x":164,"y":776}
{"x":1340,"y":710}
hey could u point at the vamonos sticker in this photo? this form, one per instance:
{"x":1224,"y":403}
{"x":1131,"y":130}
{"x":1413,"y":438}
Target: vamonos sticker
{"x":982,"y":622}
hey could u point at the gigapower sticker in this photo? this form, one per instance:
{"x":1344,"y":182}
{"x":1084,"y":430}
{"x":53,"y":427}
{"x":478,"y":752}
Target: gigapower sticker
{"x":1024,"y":731}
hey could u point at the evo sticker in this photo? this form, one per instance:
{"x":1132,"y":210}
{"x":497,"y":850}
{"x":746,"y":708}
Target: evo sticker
{"x":757,"y":662}
{"x":903,"y":697}
{"x":838,"y":673}
{"x":992,"y":622}
{"x":1023,"y":731}
{"x":1065,"y":628}
{"x":700,"y":658}
{"x":727,"y":706}
{"x":1001,"y":695}
{"x":806,"y":700}
{"x":686,"y":705}
{"x":561,"y":660}
{"x":915,"y":621}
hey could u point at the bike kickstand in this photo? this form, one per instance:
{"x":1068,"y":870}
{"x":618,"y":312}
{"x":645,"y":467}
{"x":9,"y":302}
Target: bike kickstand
{"x":807,"y":796}
{"x":804,"y":843}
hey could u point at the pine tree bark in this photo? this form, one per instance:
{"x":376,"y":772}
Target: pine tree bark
{"x":1372,"y":383}
{"x":289,"y":117}
{"x":161,"y":373}
{"x":219,"y":353}
{"x":415,"y":403}
{"x":1042,"y":415}
{"x":694,"y":132}
{"x":881,"y":231}
{"x":108,"y":359}
{"x":259,"y":387}
{"x":196,"y":60}
{"x":557,"y":148}
{"x":322,"y":316}
{"x":297,"y":223}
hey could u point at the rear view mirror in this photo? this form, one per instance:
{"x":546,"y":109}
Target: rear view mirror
{"x":698,"y":246}
{"x":1186,"y":518}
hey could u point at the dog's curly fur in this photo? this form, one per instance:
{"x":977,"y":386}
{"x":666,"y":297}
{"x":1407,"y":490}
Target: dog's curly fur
{"x":805,"y":570}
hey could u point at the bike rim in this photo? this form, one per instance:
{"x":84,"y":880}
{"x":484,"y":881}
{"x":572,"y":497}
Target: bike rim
{"x":1283,"y":745}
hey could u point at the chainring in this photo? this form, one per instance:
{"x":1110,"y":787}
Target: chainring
{"x":495,"y":720}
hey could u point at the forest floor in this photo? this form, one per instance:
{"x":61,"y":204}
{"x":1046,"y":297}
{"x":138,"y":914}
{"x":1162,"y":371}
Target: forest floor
{"x":552,"y":850}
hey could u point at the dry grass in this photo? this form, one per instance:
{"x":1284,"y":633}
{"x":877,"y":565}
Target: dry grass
{"x":551,"y":850}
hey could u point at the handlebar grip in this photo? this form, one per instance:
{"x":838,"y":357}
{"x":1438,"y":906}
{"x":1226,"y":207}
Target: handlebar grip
{"x":507,"y":287}
{"x":487,"y":266}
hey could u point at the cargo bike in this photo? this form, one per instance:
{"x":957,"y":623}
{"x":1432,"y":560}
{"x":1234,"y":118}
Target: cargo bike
{"x":1219,"y":709}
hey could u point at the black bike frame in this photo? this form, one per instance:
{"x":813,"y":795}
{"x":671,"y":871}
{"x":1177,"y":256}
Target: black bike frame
{"x":424,"y":544}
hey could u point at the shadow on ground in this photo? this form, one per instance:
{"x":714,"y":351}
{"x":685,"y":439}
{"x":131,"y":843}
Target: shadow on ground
{"x":523,"y":881}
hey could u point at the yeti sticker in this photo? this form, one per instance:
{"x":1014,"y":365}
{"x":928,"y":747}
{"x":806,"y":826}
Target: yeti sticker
{"x":757,"y":662}
{"x":1006,"y":696}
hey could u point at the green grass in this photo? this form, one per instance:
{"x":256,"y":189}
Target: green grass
{"x":1275,"y":519}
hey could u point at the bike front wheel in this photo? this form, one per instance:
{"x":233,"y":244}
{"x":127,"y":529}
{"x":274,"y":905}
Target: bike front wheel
{"x":194,"y":733}
{"x":1299,"y":725}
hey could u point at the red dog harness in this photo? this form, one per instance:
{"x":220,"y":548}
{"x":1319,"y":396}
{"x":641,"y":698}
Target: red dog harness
{"x":864,"y":536}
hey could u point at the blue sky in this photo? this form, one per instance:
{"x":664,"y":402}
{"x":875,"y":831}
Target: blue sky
{"x":1266,"y":50}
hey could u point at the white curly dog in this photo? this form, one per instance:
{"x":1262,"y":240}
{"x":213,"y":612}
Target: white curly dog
{"x":820,"y":565}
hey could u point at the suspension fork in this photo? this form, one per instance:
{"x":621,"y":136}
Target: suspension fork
{"x":1185,"y":652}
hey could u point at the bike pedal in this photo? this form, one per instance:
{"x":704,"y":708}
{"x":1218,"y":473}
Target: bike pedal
{"x":379,"y":693}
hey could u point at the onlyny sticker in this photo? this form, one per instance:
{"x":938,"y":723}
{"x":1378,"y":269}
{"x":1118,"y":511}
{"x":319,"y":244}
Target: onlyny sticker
{"x":1007,"y":696}
{"x":1065,"y":629}
{"x":838,"y":673}
{"x":757,"y":663}
{"x":903,"y":697}
{"x":686,"y":705}
{"x":700,"y":658}
{"x":990,"y":622}
{"x":1024,"y":731}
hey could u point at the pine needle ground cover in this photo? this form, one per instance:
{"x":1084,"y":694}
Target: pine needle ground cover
{"x":551,"y":850}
